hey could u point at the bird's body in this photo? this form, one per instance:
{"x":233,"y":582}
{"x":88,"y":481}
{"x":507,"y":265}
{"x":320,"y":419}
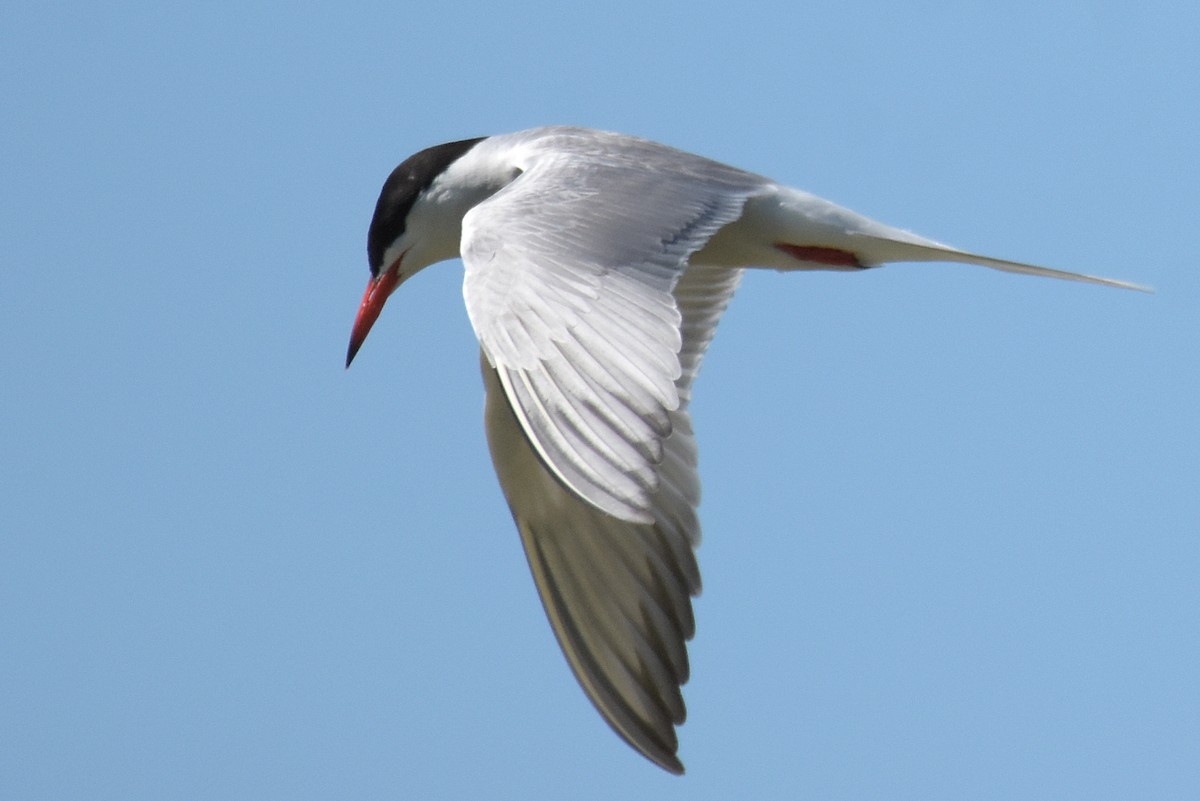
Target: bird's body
{"x":597,"y":267}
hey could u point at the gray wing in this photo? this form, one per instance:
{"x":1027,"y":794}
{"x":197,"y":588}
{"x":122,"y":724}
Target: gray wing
{"x":617,"y":593}
{"x":569,"y":275}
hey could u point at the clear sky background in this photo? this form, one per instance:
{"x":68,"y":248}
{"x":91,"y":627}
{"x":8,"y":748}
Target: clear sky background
{"x":952,"y":516}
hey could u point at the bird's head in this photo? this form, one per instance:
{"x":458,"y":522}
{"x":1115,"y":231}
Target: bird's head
{"x":413,"y":227}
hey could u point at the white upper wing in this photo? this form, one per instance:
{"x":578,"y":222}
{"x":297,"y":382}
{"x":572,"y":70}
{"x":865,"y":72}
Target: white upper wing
{"x":569,"y":275}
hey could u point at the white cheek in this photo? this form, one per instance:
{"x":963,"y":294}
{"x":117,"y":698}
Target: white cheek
{"x":395,"y":251}
{"x":432,"y":234}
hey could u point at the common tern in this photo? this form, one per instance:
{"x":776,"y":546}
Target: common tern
{"x":597,"y":267}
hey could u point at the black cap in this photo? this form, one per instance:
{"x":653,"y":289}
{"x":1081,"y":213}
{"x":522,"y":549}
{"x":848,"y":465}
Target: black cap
{"x":400,"y":191}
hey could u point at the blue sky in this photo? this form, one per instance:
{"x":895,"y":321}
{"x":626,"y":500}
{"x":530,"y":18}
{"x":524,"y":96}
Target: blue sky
{"x":950,"y":515}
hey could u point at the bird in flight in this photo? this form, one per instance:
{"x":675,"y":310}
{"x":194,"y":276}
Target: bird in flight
{"x":597,"y":267}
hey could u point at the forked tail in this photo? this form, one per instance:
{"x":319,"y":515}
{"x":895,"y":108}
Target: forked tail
{"x":816,"y":233}
{"x":899,"y":250}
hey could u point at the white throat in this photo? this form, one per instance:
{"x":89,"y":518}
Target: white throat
{"x":433,"y":228}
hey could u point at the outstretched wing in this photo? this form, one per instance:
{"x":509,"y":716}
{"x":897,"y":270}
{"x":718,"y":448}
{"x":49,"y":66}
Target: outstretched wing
{"x":569,"y":277}
{"x":618,"y":593}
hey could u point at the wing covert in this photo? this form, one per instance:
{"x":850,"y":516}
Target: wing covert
{"x":569,"y":280}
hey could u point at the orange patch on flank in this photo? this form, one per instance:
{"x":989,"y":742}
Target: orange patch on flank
{"x":834,"y":257}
